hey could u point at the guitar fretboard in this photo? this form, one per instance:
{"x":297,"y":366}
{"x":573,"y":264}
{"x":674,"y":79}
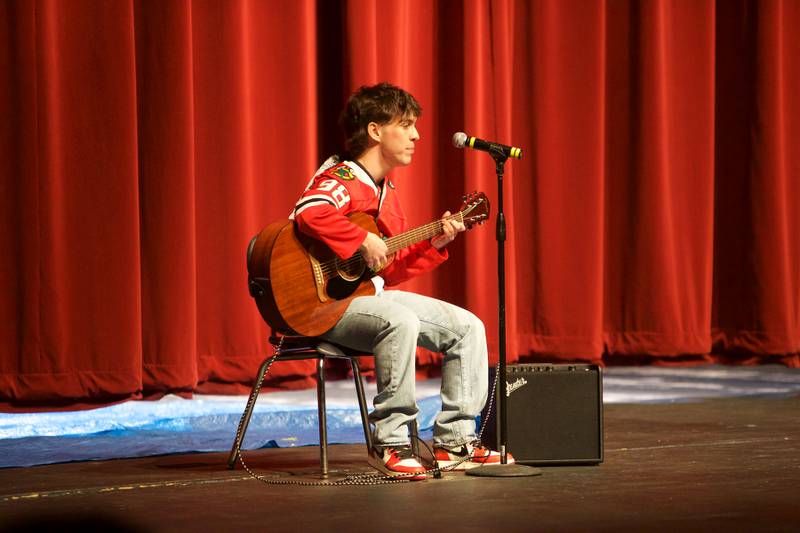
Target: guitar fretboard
{"x":407,"y":238}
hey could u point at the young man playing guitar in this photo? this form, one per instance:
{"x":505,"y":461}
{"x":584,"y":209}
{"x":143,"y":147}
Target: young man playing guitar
{"x":380,"y":127}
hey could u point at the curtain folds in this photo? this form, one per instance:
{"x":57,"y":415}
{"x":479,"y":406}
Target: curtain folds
{"x":653,"y":217}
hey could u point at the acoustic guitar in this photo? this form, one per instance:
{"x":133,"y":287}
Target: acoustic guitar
{"x":300,"y":286}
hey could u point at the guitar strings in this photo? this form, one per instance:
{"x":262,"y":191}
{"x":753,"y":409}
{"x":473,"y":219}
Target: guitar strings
{"x":331,"y":266}
{"x":400,"y":241}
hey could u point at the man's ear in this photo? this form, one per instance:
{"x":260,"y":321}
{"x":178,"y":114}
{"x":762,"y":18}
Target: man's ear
{"x":374,"y":131}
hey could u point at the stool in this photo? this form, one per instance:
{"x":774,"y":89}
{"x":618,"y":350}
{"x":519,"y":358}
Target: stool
{"x":291,"y":348}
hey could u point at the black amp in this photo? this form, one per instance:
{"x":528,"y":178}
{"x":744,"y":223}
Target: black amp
{"x":555,"y":414}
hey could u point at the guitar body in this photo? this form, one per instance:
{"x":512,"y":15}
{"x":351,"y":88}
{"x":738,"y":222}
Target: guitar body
{"x":294,"y":291}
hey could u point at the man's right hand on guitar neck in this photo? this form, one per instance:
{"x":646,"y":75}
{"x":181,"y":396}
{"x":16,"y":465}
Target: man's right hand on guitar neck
{"x":374,"y":251}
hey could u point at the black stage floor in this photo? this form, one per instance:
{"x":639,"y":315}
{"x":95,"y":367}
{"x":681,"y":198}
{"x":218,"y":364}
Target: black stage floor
{"x":726,"y":464}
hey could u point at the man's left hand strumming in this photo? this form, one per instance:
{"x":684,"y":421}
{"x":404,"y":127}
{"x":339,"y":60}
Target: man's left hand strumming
{"x":451,"y":228}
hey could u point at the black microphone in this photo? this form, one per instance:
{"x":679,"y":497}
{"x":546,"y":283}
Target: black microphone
{"x":461,"y":139}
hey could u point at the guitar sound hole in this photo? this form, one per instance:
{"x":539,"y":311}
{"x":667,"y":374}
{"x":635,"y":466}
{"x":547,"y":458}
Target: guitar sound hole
{"x":339,"y":288}
{"x":350,"y":269}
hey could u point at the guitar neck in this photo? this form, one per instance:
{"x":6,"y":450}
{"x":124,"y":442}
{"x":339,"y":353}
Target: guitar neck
{"x":422,"y":233}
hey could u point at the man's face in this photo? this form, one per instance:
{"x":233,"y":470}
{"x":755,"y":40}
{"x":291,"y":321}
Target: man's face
{"x":397,"y":140}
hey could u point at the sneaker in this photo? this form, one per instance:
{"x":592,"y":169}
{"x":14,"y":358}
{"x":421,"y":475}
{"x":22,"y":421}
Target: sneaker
{"x":397,"y":461}
{"x":459,"y":458}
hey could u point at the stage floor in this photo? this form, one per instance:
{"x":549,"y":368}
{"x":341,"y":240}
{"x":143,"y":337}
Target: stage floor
{"x":728,"y":464}
{"x":288,"y":419}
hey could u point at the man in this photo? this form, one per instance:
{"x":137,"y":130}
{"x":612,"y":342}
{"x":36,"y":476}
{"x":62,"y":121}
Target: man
{"x":380,"y":127}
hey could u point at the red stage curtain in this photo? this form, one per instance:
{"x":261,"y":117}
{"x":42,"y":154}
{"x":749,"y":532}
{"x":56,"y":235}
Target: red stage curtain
{"x":652,"y":218}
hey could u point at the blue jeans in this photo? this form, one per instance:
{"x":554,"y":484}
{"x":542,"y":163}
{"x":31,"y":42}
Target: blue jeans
{"x":391,"y":325}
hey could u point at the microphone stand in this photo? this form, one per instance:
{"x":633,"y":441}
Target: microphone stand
{"x":503,"y":469}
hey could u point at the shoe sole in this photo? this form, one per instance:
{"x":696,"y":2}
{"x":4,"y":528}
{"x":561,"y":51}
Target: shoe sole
{"x":465,"y":465}
{"x":462,"y":465}
{"x":376,"y":463}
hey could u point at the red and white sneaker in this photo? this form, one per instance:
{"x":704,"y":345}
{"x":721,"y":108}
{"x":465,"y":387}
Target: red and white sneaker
{"x":398,"y":461}
{"x":467,"y":456}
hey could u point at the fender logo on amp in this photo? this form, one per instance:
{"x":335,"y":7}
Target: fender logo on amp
{"x":511,"y":387}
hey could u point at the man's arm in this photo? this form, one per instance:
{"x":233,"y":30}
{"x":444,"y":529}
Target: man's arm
{"x":422,"y":257}
{"x":322,"y":212}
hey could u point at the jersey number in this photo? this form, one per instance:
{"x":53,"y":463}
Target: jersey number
{"x":337,"y":191}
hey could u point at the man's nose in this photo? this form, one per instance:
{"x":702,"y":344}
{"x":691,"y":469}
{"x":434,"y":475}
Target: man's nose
{"x":414,"y":133}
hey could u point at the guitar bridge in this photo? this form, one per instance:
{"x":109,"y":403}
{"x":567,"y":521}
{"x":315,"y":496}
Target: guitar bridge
{"x":319,"y":278}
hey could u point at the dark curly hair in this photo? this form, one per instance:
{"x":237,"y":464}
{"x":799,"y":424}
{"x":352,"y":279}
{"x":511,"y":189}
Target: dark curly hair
{"x":379,"y":103}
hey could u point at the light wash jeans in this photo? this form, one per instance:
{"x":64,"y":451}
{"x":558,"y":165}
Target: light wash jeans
{"x":391,"y":325}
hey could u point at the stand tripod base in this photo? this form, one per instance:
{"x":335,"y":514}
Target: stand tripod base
{"x":507,"y":470}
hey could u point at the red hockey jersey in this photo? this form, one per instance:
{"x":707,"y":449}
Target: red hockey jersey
{"x":339,"y":189}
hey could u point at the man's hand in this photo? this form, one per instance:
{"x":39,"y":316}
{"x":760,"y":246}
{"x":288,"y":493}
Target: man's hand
{"x":451,"y":228}
{"x":374,"y":251}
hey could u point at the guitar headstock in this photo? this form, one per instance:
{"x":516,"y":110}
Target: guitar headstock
{"x":475,"y":209}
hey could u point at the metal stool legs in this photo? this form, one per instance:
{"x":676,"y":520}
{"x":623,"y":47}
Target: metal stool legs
{"x":362,"y":402}
{"x":248,"y":412}
{"x":321,"y":413}
{"x":322,"y":417}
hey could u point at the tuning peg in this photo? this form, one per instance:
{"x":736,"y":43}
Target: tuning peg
{"x":463,"y":197}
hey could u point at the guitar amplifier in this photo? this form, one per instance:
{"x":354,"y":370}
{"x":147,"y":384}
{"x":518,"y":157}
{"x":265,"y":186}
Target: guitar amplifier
{"x":555,"y":414}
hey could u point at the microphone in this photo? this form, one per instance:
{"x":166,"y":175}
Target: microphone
{"x":461,"y":139}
